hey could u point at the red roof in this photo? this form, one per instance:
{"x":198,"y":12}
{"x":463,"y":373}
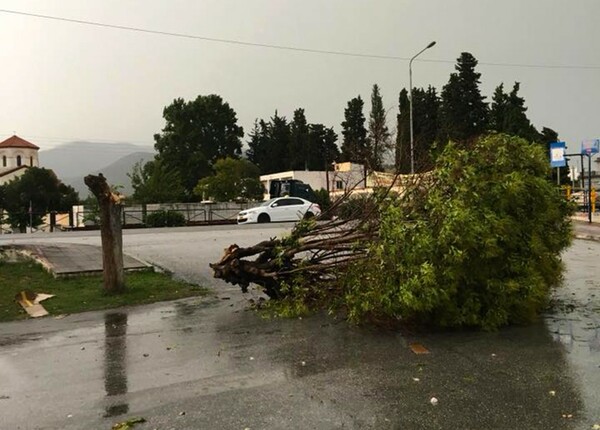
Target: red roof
{"x":16,"y":142}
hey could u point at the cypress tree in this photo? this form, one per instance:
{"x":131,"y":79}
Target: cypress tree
{"x":379,"y":134}
{"x":299,"y":141}
{"x":279,"y":143}
{"x":323,"y":150}
{"x":402,"y":156}
{"x":464,"y":110}
{"x":259,"y":146}
{"x":508,"y":114}
{"x":354,"y":144}
{"x":426,"y":105}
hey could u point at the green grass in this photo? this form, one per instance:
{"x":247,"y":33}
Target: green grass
{"x":83,"y":293}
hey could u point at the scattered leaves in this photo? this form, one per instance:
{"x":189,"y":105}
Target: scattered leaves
{"x":127,"y":425}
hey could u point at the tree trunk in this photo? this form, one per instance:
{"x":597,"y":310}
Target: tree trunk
{"x":111,"y":232}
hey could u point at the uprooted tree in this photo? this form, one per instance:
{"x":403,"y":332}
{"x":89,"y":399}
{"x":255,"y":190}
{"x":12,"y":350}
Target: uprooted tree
{"x":475,"y":242}
{"x":110,"y":207}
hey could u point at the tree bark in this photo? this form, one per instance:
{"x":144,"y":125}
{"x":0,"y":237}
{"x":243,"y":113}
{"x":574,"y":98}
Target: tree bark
{"x":111,"y":233}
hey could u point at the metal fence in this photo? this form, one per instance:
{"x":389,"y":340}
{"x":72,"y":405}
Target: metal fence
{"x":193,"y":214}
{"x":81,"y":218}
{"x":50,"y":222}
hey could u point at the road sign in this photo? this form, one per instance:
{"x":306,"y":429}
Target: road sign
{"x":590,"y":146}
{"x":557,"y":154}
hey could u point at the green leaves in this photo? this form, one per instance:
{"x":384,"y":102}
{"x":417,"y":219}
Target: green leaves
{"x":354,"y":146}
{"x":483,"y":248}
{"x":233,"y":180}
{"x":154,"y":182}
{"x":42,"y":190}
{"x":195,"y":135}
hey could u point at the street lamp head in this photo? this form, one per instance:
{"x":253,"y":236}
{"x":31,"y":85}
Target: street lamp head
{"x":430,"y":45}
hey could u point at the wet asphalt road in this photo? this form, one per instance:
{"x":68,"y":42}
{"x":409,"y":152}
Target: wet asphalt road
{"x":212,"y":364}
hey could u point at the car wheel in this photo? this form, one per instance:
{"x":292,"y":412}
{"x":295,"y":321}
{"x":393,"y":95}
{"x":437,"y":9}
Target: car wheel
{"x":263,"y":218}
{"x":309,"y":215}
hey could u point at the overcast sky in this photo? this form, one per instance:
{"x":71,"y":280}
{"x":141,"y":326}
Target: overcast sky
{"x":63,"y":81}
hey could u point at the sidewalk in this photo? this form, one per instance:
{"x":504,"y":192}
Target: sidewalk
{"x":584,"y":229}
{"x":70,"y":259}
{"x":584,"y":217}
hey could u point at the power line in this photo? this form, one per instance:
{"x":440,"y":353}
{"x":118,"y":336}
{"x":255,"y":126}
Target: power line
{"x":284,"y":47}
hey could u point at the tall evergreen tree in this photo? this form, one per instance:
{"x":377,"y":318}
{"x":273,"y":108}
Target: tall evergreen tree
{"x":259,"y":145}
{"x":354,"y":144}
{"x":379,"y":135}
{"x":548,"y":136}
{"x":499,"y":109}
{"x":280,"y":136}
{"x":277,"y":145}
{"x":426,"y":104}
{"x":402,"y":156}
{"x":299,"y":141}
{"x":269,"y":145}
{"x":464,"y":110}
{"x":508,"y":114}
{"x":323,"y":150}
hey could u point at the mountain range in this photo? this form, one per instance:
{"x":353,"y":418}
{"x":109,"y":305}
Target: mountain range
{"x":72,"y":161}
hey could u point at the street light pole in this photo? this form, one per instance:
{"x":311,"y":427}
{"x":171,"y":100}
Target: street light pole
{"x":412,"y":143}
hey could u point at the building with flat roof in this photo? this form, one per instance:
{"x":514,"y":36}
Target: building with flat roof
{"x":343,"y":177}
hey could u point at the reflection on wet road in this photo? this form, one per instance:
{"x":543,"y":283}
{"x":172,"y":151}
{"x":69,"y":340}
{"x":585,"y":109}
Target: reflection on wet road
{"x":575,"y":321}
{"x":210,"y":363}
{"x":115,"y":362}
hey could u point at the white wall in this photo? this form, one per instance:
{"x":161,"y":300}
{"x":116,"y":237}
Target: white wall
{"x":29,"y":157}
{"x":12,"y":175}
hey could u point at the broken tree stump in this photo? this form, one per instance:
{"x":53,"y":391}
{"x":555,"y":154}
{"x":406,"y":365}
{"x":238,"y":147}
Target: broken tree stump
{"x":111,"y":232}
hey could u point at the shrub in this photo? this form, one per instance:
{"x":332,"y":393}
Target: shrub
{"x":481,"y":248}
{"x":354,"y":207}
{"x":165,"y":219}
{"x":322,"y":199}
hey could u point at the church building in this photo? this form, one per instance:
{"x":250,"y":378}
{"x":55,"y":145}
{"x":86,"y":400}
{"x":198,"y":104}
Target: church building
{"x":16,"y":155}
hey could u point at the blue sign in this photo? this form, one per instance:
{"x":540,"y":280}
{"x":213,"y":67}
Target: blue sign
{"x":590,"y":146}
{"x":557,"y":154}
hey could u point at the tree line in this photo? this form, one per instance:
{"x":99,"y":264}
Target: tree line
{"x":200,"y":132}
{"x":460,"y":114}
{"x":200,"y":150}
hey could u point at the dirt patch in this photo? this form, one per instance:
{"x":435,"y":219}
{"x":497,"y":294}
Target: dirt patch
{"x":12,"y":255}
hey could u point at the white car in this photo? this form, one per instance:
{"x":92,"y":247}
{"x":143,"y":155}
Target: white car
{"x":279,"y":209}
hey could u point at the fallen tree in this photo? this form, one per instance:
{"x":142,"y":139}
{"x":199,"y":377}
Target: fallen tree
{"x":475,"y":242}
{"x":316,"y":251}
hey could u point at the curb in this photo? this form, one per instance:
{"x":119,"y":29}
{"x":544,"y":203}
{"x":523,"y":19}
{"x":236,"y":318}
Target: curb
{"x":587,"y":237}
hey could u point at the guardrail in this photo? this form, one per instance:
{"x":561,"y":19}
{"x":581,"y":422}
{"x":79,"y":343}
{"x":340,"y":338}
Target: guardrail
{"x":137,"y":217}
